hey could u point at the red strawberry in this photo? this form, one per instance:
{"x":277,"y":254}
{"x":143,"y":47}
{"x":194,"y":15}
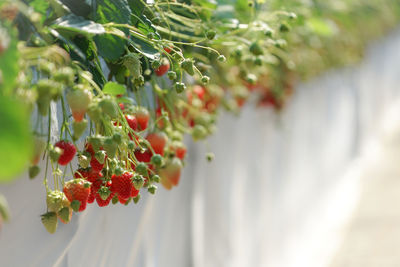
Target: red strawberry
{"x":157,"y":142}
{"x":167,"y":49}
{"x":95,"y":178}
{"x":122,"y":200}
{"x":94,"y":163}
{"x":132,"y":121}
{"x":101,"y":202}
{"x":134,"y":192}
{"x":163,"y":68}
{"x":79,"y":190}
{"x":79,"y":100}
{"x":171,"y":173}
{"x":180,"y":152}
{"x":68,"y":153}
{"x":143,"y":157}
{"x":121,"y":106}
{"x":142,"y":116}
{"x":198,"y":90}
{"x":122,"y":185}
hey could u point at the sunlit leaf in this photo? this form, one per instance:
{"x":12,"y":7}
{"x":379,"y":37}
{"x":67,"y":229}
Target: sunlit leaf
{"x":113,"y":88}
{"x":15,"y":139}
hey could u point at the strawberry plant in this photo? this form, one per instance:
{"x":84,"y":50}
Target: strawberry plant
{"x":131,"y":79}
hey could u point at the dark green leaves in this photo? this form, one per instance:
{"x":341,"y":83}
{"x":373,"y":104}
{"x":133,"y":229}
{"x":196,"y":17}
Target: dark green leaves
{"x":77,"y":24}
{"x":117,"y":11}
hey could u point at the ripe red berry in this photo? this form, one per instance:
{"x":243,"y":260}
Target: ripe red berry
{"x":77,"y":189}
{"x":171,"y":173}
{"x":163,"y":68}
{"x":101,"y":202}
{"x":143,"y":157}
{"x":180,"y":152}
{"x":142,"y":116}
{"x":168,"y":49}
{"x":68,"y":153}
{"x":122,"y":200}
{"x":122,"y":185}
{"x":94,"y":163}
{"x":132,"y":122}
{"x":134,"y":192}
{"x":157,"y":142}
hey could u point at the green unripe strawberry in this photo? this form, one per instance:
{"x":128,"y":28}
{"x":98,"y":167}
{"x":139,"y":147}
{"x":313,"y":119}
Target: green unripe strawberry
{"x":199,"y":132}
{"x":104,"y":192}
{"x":258,"y":61}
{"x":131,"y":145}
{"x":256,"y":49}
{"x":179,"y":87}
{"x":210,"y":157}
{"x":4,"y":211}
{"x":79,"y":128}
{"x":65,"y":214}
{"x":138,"y":181}
{"x":152,"y":189}
{"x":117,"y":138}
{"x":109,"y":107}
{"x":114,"y":200}
{"x":39,"y":146}
{"x":221,"y":58}
{"x":100,"y":156}
{"x":79,"y":99}
{"x":55,"y":153}
{"x":155,"y":178}
{"x":84,"y":160}
{"x":210,"y":34}
{"x":188,"y":66}
{"x":46,"y":67}
{"x":284,"y":27}
{"x":205,"y":80}
{"x":141,"y":168}
{"x":156,"y":64}
{"x":43,"y":104}
{"x":139,"y":81}
{"x":33,"y":171}
{"x":137,"y":198}
{"x":94,"y":112}
{"x":64,"y":75}
{"x":55,"y":200}
{"x":171,"y":75}
{"x":269,"y":32}
{"x":110,"y":146}
{"x":96,"y":142}
{"x":50,"y":222}
{"x":157,"y":160}
{"x":75,"y":205}
{"x":280,"y":43}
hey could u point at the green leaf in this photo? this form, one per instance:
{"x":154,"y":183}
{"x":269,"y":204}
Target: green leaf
{"x":113,"y":88}
{"x":321,"y":27}
{"x":77,"y":24}
{"x":124,"y":99}
{"x":8,"y":63}
{"x":41,"y":7}
{"x":111,"y":47}
{"x":15,"y":138}
{"x":144,"y":48}
{"x":137,"y":8}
